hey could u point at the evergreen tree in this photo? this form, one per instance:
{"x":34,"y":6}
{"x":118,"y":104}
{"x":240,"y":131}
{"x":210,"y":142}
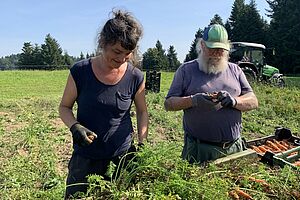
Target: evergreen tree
{"x":67,"y":59}
{"x":81,"y":57}
{"x":193,"y":52}
{"x":256,"y":24}
{"x":151,"y":59}
{"x":26,"y":57}
{"x":52,"y":52}
{"x":172,"y":58}
{"x":10,"y":61}
{"x":245,"y":24}
{"x":37,"y":55}
{"x":284,"y":33}
{"x":236,"y":20}
{"x":228,"y":28}
{"x":216,"y":20}
{"x":162,"y":58}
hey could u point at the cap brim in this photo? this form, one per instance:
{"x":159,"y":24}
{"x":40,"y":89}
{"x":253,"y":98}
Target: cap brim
{"x":217,"y":45}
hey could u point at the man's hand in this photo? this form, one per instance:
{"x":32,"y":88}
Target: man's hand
{"x":81,"y":135}
{"x":202,"y":99}
{"x":226,"y":99}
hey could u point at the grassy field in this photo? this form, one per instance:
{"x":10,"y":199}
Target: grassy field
{"x":35,"y":147}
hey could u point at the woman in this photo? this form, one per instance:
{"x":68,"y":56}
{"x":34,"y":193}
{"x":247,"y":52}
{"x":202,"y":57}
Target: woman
{"x":104,"y":88}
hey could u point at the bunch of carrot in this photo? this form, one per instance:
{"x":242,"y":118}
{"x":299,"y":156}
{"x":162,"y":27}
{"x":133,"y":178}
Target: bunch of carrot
{"x":273,"y":146}
{"x":237,"y":193}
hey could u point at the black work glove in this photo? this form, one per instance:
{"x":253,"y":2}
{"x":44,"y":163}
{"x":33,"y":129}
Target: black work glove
{"x":81,"y":135}
{"x":202,"y":99}
{"x":226,"y":99}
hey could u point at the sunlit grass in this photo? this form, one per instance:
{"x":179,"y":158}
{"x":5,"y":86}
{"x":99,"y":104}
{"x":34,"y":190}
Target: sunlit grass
{"x":35,"y":147}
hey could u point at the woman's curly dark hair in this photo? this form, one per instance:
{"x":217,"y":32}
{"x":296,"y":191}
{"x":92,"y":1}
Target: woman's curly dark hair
{"x":123,"y":28}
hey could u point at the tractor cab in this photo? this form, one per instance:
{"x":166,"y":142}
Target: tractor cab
{"x":250,"y":57}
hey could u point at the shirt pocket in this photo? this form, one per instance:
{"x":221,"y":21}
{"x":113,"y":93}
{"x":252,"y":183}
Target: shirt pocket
{"x":123,"y":101}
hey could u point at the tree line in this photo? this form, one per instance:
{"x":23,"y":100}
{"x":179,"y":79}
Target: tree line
{"x":45,"y":56}
{"x":243,"y":25}
{"x":246,"y":25}
{"x":282,"y":32}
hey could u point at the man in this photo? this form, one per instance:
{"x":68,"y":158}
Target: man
{"x":212,"y":94}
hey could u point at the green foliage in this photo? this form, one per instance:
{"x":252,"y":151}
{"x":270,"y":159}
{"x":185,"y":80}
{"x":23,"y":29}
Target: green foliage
{"x":155,"y":58}
{"x":172,"y":58}
{"x":217,"y":19}
{"x":26,"y":57}
{"x":245,"y":23}
{"x":46,"y":56}
{"x":151,"y":59}
{"x":35,"y":147}
{"x":162,"y":63}
{"x":193,"y":52}
{"x":284,"y":29}
{"x":51,"y":51}
{"x":10,"y":61}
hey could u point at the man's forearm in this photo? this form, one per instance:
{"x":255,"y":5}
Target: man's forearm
{"x":178,"y":103}
{"x":246,"y":102}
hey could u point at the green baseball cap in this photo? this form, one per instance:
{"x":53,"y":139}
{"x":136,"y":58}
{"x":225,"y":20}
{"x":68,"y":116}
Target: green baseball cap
{"x":215,"y":36}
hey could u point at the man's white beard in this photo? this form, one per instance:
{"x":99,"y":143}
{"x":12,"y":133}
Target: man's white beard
{"x":212,"y":65}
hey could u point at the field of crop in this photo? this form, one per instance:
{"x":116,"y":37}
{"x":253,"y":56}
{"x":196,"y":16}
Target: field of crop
{"x":35,"y":147}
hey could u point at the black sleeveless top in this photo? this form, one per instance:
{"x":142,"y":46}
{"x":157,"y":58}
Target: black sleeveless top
{"x":105,"y":109}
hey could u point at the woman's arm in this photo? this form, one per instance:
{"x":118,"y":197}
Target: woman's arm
{"x":141,"y":113}
{"x":67,"y":102}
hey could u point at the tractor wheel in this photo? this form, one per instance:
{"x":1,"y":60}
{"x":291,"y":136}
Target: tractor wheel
{"x":280,"y":82}
{"x":250,"y":75}
{"x":277,"y":80}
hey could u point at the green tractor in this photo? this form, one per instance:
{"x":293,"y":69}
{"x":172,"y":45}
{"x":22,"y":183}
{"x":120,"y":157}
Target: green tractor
{"x":250,"y":57}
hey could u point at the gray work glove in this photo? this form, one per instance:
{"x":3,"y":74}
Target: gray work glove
{"x":202,"y":99}
{"x":226,"y":99}
{"x":81,"y":135}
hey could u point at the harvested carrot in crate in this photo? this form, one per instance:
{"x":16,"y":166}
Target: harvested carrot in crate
{"x":262,"y":149}
{"x":282,"y":147}
{"x":272,"y":145}
{"x":255,"y":148}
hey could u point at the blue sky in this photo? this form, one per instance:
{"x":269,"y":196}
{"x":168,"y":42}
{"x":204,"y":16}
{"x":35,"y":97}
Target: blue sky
{"x":75,"y":24}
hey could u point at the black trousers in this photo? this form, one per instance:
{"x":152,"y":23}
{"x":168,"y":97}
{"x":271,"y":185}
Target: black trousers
{"x":80,"y":167}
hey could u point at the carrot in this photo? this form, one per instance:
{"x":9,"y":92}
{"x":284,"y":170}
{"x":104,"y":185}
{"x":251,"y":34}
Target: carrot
{"x":263,"y":149}
{"x":243,"y":194}
{"x":256,"y":180}
{"x":282,"y":147}
{"x":263,"y":182}
{"x":234,"y":195}
{"x":255,"y":148}
{"x":293,"y":153}
{"x":268,"y":148}
{"x":285,"y":144}
{"x":272,"y":145}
